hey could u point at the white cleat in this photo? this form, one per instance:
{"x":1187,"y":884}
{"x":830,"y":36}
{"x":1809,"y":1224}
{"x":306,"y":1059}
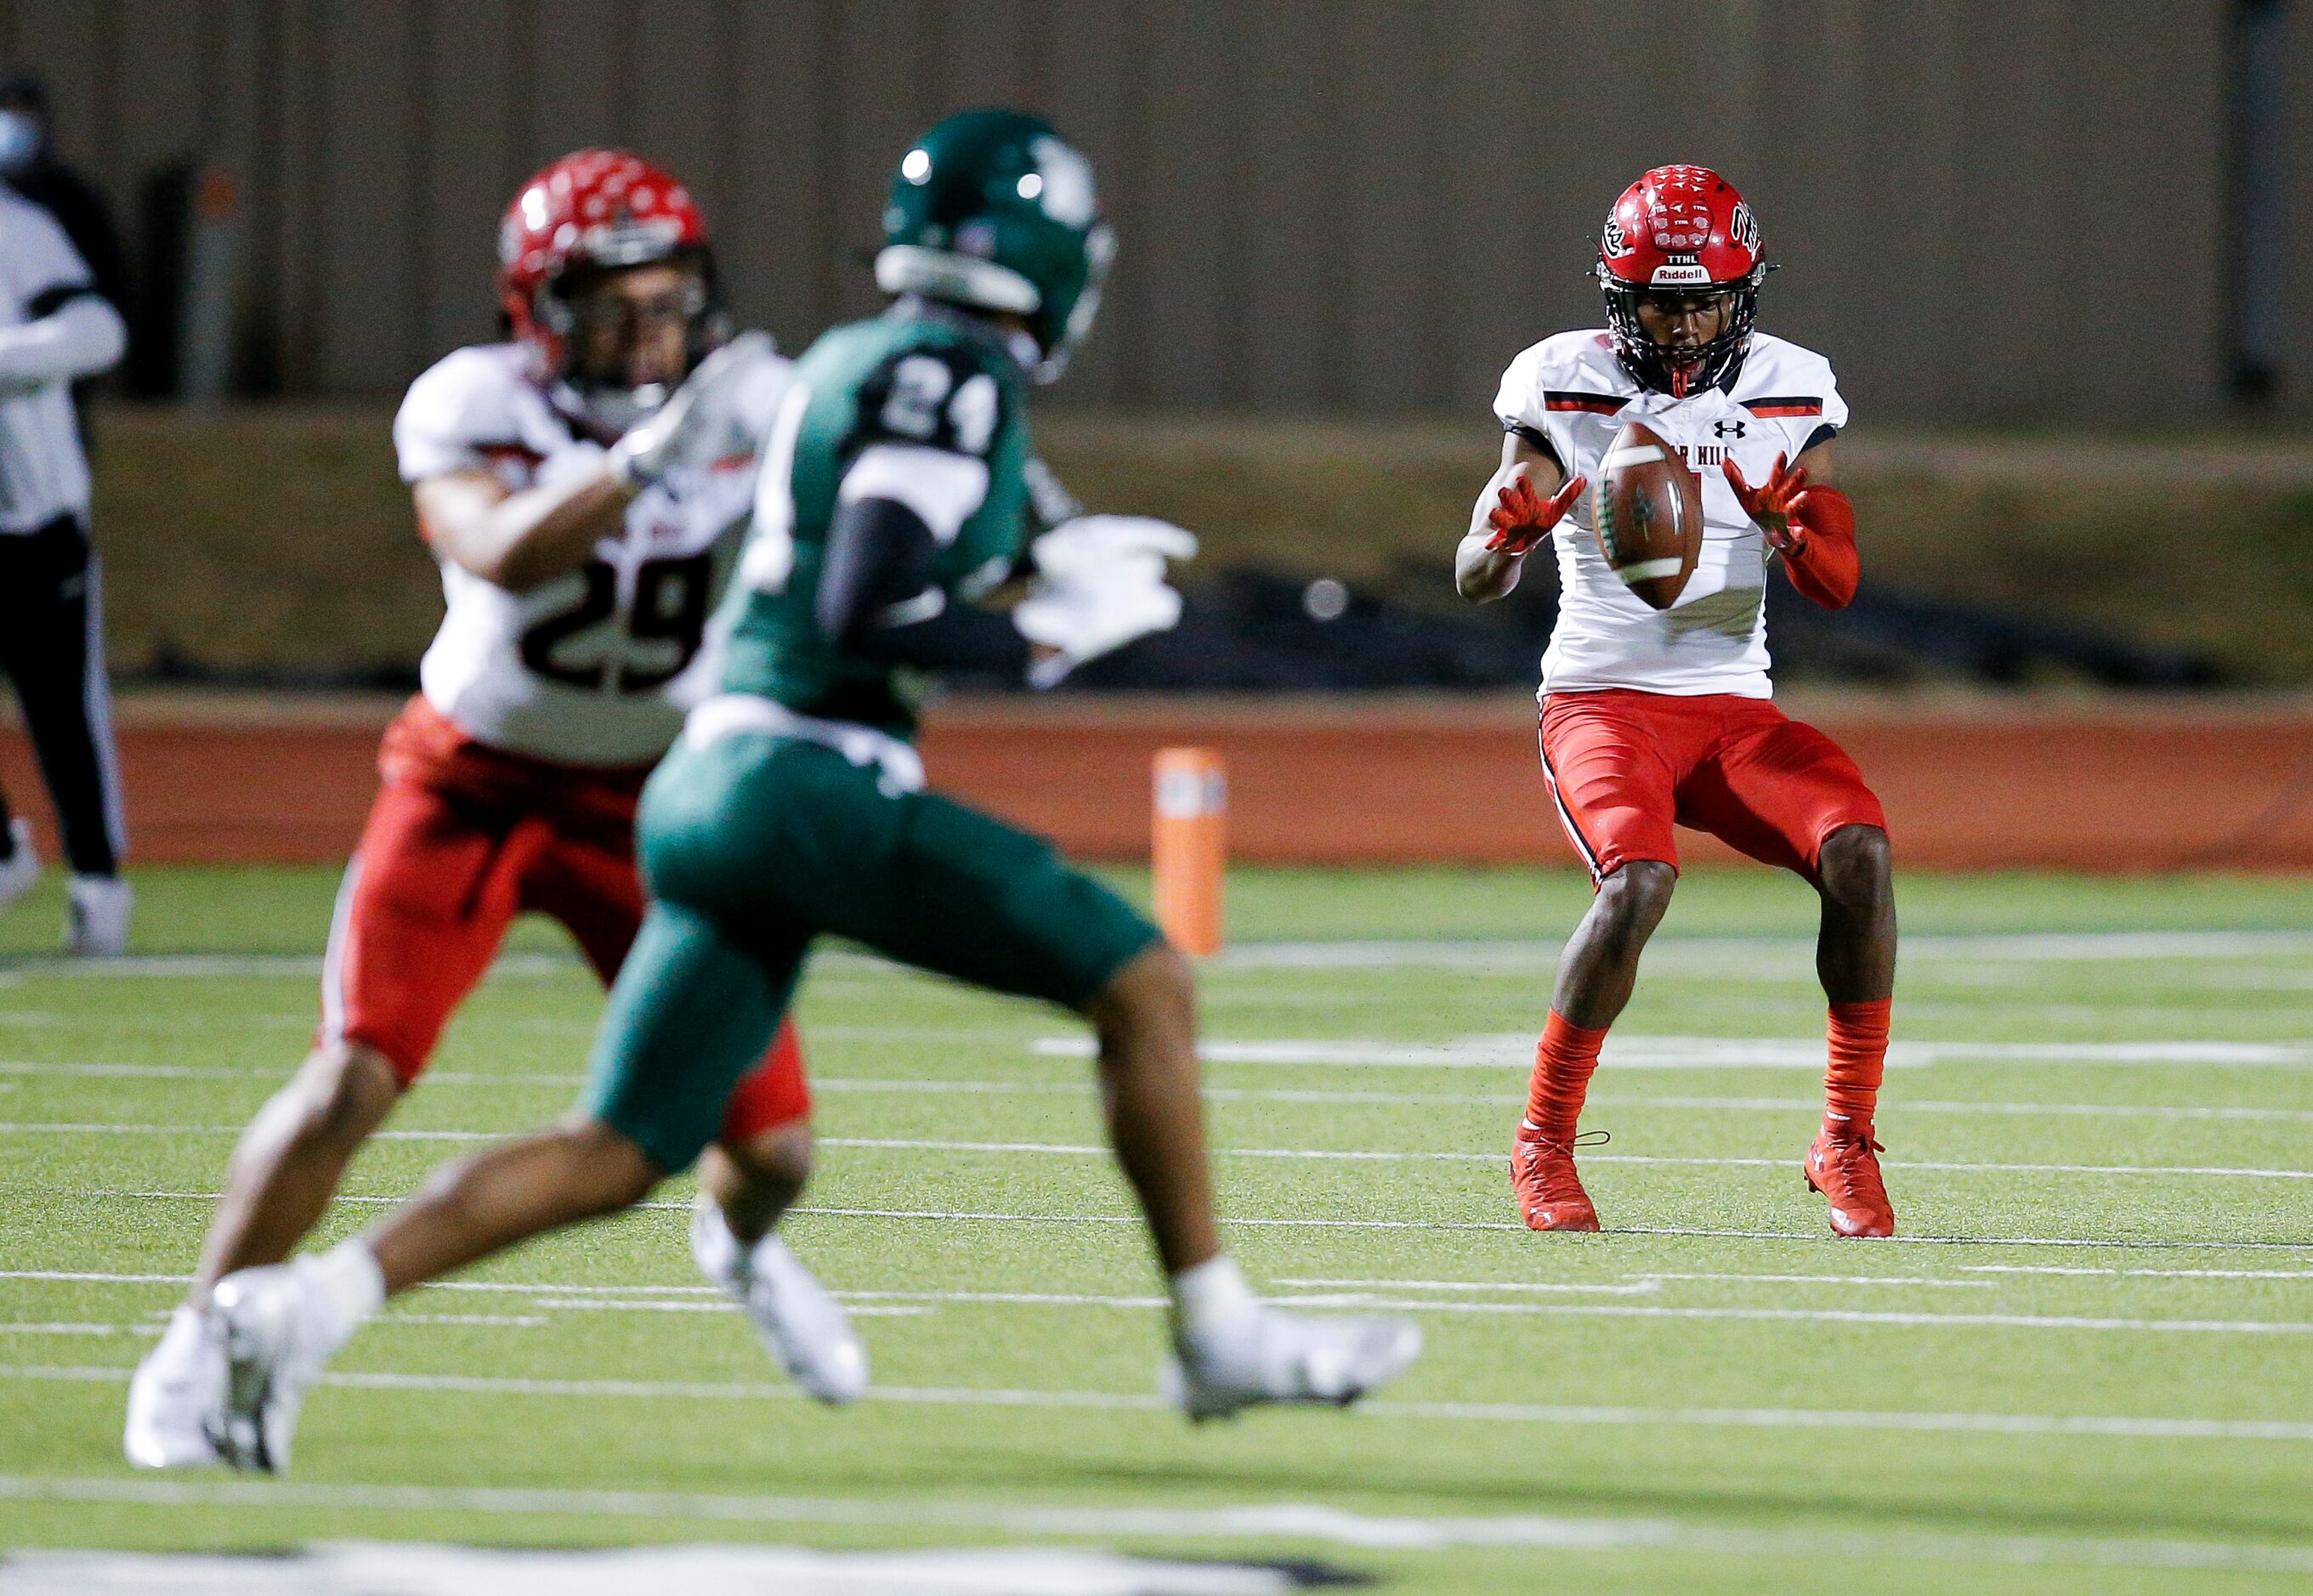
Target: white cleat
{"x":180,"y":1383}
{"x":96,"y":917}
{"x":278,"y":1328}
{"x":21,"y":868}
{"x":798,"y":1318}
{"x":1267,"y":1354}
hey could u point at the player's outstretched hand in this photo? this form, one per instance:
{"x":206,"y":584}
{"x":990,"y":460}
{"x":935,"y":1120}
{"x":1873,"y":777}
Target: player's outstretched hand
{"x":1524,"y":517}
{"x":698,"y":423}
{"x":1096,"y":545}
{"x":1100,"y":583}
{"x":1773,"y":502}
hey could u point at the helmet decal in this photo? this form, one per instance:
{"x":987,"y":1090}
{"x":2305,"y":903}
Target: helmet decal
{"x":1061,"y":183}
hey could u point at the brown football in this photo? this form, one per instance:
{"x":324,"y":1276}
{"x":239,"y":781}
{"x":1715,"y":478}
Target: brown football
{"x":1647,"y":507}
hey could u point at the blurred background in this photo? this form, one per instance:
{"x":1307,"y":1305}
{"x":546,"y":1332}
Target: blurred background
{"x":2059,"y":252}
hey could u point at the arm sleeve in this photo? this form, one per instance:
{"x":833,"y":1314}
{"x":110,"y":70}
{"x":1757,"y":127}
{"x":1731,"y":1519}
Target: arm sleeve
{"x":1826,"y":566}
{"x":877,"y":596}
{"x":79,"y":336}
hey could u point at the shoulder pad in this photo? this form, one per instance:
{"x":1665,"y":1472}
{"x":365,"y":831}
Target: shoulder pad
{"x":1782,"y":380}
{"x":469,"y":400}
{"x":1568,"y":371}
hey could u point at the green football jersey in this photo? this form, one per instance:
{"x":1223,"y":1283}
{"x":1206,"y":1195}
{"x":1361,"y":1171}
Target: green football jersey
{"x":919,"y":377}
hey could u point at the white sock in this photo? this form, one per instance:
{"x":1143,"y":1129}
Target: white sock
{"x":352,"y":1283}
{"x":1210,"y":1294}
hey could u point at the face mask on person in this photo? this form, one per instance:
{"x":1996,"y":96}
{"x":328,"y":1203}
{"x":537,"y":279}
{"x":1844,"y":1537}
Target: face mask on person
{"x":20,"y":143}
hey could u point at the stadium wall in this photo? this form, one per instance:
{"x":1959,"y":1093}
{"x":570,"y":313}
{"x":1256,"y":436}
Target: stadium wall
{"x":2003,"y":208}
{"x":1969,"y":784}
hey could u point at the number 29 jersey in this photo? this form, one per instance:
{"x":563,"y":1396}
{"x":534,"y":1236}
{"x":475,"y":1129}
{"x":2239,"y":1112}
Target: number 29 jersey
{"x":596,"y":666}
{"x":1570,"y":396}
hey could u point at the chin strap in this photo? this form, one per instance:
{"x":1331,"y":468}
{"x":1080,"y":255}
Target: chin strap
{"x":1821,"y":557}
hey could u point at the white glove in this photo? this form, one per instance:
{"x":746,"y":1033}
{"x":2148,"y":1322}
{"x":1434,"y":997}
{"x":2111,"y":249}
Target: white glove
{"x":698,"y":423}
{"x":1100,"y":584}
{"x":1096,"y":544}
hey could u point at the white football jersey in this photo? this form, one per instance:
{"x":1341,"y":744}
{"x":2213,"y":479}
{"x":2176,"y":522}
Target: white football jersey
{"x":597,"y":666}
{"x":1570,"y":394}
{"x":43,"y":472}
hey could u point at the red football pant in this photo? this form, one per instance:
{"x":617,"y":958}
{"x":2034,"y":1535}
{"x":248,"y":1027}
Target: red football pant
{"x":461,"y":840}
{"x":1624,"y":767}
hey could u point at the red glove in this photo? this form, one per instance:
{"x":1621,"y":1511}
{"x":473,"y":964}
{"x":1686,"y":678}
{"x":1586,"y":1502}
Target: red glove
{"x":1524,"y":517}
{"x":1813,"y":528}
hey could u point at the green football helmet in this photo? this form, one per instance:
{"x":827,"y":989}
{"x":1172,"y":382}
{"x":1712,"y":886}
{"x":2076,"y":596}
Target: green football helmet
{"x":993,"y":209}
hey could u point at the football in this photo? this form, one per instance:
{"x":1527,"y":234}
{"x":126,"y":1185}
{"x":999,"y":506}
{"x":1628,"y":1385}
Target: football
{"x":1646,"y":508}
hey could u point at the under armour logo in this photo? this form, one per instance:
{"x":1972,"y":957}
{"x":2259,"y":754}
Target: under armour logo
{"x":1727,"y":429}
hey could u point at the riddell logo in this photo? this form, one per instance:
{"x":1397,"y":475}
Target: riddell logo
{"x":1678,"y":276}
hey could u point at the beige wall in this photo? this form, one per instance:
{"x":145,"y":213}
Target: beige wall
{"x":1984,"y":207}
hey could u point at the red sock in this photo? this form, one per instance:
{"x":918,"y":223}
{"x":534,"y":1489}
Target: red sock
{"x":1563,"y":1062}
{"x":1859,"y":1056}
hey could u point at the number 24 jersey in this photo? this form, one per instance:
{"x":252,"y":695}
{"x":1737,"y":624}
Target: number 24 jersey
{"x":597,"y":666}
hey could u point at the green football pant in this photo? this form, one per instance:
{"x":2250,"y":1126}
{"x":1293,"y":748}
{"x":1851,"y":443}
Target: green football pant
{"x":754,"y":846}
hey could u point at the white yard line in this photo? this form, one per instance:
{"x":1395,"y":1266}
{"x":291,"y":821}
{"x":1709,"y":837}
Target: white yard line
{"x":84,"y":1128}
{"x":1356,"y":1155}
{"x":1319,"y":1155}
{"x":940,"y":1215}
{"x":2006,"y":1322}
{"x":1747,"y":952}
{"x":1918,"y":1241}
{"x":1742,"y":952}
{"x":61,"y":1329}
{"x":1300,"y":1523}
{"x":1375,"y":1300}
{"x":900,"y":1086}
{"x":1515,"y":1050}
{"x":1644,"y":1281}
{"x":2003,"y":1424}
{"x":415,"y":1568}
{"x":1645,"y":1286}
{"x":2141,"y":1274}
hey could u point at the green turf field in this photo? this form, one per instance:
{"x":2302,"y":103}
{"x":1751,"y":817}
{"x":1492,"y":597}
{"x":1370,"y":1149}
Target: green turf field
{"x":2088,"y":1367}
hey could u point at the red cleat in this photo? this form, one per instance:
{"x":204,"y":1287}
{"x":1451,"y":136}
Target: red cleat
{"x":1845,"y":1171}
{"x":1543,"y":1178}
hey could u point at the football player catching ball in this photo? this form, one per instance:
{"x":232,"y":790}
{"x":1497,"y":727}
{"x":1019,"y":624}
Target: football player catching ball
{"x":579,"y":486}
{"x":1651,"y":718}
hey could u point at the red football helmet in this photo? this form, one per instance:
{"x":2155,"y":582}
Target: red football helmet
{"x":1679,"y":231}
{"x":598,"y":210}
